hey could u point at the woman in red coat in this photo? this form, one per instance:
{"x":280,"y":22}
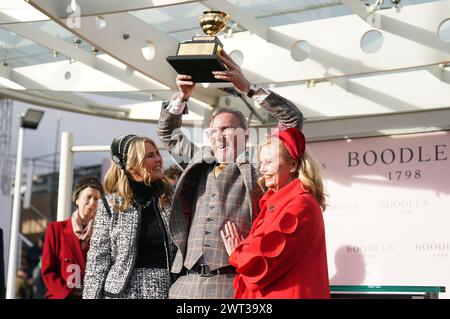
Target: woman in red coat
{"x":67,"y":242}
{"x":284,"y":256}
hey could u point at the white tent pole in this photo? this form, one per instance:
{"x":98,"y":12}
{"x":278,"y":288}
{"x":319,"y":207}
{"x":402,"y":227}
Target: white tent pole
{"x":14,"y":241}
{"x":65,"y":176}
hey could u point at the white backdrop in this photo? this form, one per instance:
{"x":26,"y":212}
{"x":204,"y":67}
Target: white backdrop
{"x":388,"y":220}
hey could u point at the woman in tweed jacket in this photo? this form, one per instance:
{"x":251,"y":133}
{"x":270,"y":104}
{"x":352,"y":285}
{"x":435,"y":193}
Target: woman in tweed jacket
{"x":131,"y":250}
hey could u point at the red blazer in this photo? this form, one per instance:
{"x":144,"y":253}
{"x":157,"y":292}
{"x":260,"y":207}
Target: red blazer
{"x":284,"y":255}
{"x":62,"y":251}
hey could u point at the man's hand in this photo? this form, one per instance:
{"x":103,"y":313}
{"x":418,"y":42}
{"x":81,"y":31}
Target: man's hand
{"x":233,"y":74}
{"x":185,"y":86}
{"x":231,"y":237}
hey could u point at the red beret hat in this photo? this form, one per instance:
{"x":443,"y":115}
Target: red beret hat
{"x":293,"y":140}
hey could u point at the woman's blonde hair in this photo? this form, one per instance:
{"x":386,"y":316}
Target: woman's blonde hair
{"x":116,"y":179}
{"x":308,"y":172}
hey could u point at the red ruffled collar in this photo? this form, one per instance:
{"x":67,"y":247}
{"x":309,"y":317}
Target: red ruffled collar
{"x":271,"y":196}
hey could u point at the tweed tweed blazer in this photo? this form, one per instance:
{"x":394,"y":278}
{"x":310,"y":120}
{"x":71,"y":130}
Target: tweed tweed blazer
{"x":112,"y":252}
{"x":194,"y":160}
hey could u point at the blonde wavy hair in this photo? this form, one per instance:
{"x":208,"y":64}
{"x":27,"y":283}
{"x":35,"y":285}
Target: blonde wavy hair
{"x":308,"y":172}
{"x":116,"y":179}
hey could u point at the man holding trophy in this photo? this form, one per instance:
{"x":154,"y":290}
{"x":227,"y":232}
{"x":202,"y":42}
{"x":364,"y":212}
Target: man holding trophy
{"x":219,"y":183}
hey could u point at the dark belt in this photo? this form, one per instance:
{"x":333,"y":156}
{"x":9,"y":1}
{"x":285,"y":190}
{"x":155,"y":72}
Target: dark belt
{"x":205,"y":271}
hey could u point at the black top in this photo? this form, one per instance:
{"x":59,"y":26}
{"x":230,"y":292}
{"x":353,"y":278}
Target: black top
{"x":151,"y":252}
{"x":2,"y":268}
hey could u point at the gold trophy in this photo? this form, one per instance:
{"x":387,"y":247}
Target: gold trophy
{"x":199,"y":57}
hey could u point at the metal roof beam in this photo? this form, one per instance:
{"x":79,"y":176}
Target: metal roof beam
{"x":335,"y":51}
{"x":64,"y":97}
{"x":358,"y":8}
{"x":440,"y":72}
{"x":38,"y":99}
{"x":245,"y":20}
{"x":69,"y":50}
{"x":26,"y":97}
{"x":65,"y":48}
{"x":377,"y":125}
{"x":63,"y":8}
{"x":123,"y":30}
{"x":400,"y":28}
{"x":19,"y":11}
{"x":371,"y":94}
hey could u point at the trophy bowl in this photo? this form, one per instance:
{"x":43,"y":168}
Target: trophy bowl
{"x":212,"y":22}
{"x":199,"y":57}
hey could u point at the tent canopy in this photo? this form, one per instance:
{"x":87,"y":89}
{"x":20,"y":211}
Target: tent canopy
{"x":341,"y":62}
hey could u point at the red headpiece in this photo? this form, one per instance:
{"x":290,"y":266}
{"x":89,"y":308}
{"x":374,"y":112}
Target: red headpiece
{"x":293,"y":140}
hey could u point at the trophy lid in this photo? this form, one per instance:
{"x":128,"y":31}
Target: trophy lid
{"x":212,"y":22}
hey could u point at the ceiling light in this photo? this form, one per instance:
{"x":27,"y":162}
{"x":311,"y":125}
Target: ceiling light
{"x":77,"y":42}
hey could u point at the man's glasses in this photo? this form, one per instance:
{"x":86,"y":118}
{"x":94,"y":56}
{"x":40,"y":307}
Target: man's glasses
{"x":217,"y":132}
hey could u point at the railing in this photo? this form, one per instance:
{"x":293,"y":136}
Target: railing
{"x":351,"y":291}
{"x":25,"y":240}
{"x":39,"y":213}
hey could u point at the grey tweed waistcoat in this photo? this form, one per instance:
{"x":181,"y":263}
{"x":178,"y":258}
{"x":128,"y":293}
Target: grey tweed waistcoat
{"x":217,"y":202}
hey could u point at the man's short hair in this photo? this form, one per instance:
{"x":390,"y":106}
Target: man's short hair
{"x":242,"y":120}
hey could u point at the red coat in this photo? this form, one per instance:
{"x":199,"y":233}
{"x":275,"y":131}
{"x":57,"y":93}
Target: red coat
{"x":284,"y":256}
{"x":61,"y":254}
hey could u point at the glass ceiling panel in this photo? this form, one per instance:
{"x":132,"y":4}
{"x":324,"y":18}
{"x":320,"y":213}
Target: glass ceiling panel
{"x":119,"y":98}
{"x":18,"y":51}
{"x":281,"y":12}
{"x":388,"y":3}
{"x":20,"y":11}
{"x":58,"y":32}
{"x":180,"y":21}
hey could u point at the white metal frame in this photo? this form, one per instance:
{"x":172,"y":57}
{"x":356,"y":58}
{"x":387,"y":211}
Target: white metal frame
{"x":410,"y":37}
{"x":96,"y":8}
{"x":14,"y":241}
{"x":66,"y":172}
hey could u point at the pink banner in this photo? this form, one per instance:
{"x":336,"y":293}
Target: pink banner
{"x":388,"y":219}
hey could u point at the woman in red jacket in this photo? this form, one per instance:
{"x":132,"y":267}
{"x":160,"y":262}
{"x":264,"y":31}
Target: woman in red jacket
{"x":284,"y":255}
{"x":67,"y":242}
